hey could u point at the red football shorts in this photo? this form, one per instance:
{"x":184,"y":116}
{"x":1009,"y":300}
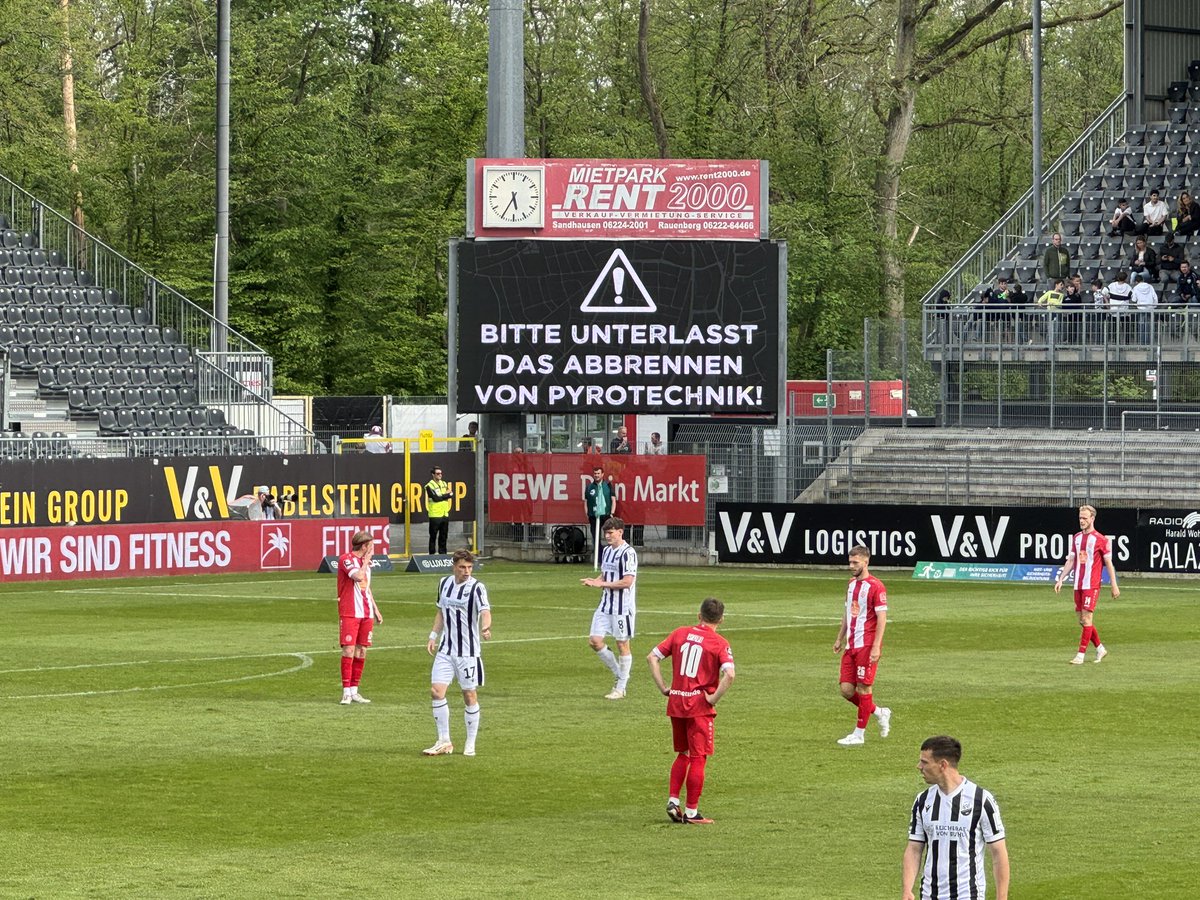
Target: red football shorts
{"x":694,"y":735}
{"x":857,"y":667}
{"x":356,"y":632}
{"x":1085,"y":601}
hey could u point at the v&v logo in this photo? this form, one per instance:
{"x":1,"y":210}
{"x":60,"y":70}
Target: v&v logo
{"x":276,"y":542}
{"x":744,"y":539}
{"x":969,"y":547}
{"x":191,"y":501}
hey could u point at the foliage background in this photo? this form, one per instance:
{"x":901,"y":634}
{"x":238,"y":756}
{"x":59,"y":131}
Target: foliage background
{"x":351,"y":123}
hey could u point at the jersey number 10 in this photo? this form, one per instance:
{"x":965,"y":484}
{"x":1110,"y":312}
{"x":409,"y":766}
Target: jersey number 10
{"x":689,"y":660}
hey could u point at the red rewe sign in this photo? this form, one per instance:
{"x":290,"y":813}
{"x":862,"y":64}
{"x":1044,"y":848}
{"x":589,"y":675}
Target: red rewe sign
{"x":547,"y":488}
{"x":186,"y":548}
{"x":618,"y":198}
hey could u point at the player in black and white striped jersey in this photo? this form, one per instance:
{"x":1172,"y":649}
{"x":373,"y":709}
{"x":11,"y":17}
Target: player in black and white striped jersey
{"x":463,"y":621}
{"x":617,"y":612}
{"x":951,"y":822}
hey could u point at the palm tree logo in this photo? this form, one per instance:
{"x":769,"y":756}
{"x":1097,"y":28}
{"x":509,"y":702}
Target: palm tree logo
{"x":277,"y":541}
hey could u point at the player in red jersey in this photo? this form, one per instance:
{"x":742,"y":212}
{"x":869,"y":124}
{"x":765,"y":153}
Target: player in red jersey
{"x":1089,"y":556}
{"x":357,"y":612}
{"x":701,"y":674}
{"x":861,"y":634}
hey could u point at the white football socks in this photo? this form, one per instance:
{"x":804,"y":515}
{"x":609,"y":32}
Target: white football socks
{"x":623,"y":666}
{"x":441,"y":718}
{"x":609,"y":659}
{"x":471,"y":716}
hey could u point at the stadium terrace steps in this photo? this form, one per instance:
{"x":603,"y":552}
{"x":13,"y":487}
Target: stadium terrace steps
{"x":1015,"y":467}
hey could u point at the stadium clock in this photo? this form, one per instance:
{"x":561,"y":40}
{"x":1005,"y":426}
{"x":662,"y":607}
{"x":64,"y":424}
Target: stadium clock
{"x":512,"y":196}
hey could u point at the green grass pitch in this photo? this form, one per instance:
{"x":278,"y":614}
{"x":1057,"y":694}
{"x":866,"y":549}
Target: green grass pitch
{"x":181,"y":737}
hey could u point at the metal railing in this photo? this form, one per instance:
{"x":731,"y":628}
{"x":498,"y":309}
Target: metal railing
{"x":977,"y":264}
{"x":69,"y":447}
{"x":234,"y":385}
{"x":957,"y":478}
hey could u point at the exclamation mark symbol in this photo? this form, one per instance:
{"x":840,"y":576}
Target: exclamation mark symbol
{"x":618,"y":285}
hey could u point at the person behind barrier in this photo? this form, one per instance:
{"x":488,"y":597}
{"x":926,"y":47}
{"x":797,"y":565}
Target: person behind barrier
{"x":598,"y":502}
{"x":437,"y":505}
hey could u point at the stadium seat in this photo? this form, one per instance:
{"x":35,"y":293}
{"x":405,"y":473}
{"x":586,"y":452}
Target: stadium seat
{"x":91,"y":355}
{"x":179,"y":418}
{"x":135,"y":335}
{"x":134,"y":397}
{"x":1092,"y":202}
{"x":153,"y":334}
{"x":73,"y":355}
{"x":1177,"y":135}
{"x":54,"y":356}
{"x":128,"y":355}
{"x":1133,"y":181}
{"x":112,"y":297}
{"x":1175,"y":158}
{"x":151,"y":397}
{"x":190,"y":398}
{"x":56,"y":258}
{"x":37,"y":258}
{"x":144,"y":417}
{"x":46,"y":382}
{"x":1113,"y":180}
{"x":92,"y":296}
{"x":109,"y":356}
{"x":137,"y":377}
{"x":1173,"y":182}
{"x":66,"y":277}
{"x":1194,"y":92}
{"x":98,"y":334}
{"x":101,"y":376}
{"x":1112,"y":248}
{"x":174,"y":376}
{"x":1156,"y":134}
{"x":29,"y":240}
{"x":60,"y":334}
{"x":1156,"y":159}
{"x":1136,"y":136}
{"x":125,"y":419}
{"x":83,"y":376}
{"x":114,"y":397}
{"x":170,"y":335}
{"x":120,"y":376}
{"x":95,"y":398}
{"x":1070,"y":202}
{"x":146,"y":355}
{"x":108,"y":422}
{"x":21,"y":296}
{"x":10,"y":239}
{"x":51,"y":315}
{"x":162,"y":417}
{"x":84,"y":277}
{"x":1177,"y":91}
{"x":1177,"y":112}
{"x":141,"y":316}
{"x":158,"y":377}
{"x":105,"y":316}
{"x":216,"y":418}
{"x":122,"y":316}
{"x":1089,"y":248}
{"x":1090,"y":181}
{"x":14,"y":315}
{"x":44,"y":335}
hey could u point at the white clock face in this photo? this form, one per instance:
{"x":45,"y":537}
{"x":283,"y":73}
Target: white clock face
{"x":512,"y":198}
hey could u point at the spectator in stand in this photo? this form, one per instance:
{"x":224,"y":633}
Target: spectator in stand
{"x":1189,"y":296}
{"x":1049,"y":303}
{"x":587,"y":446}
{"x":620,"y":443}
{"x":1169,"y":256}
{"x":1189,"y":284}
{"x":1072,"y":317}
{"x":374,"y":443}
{"x":1095,"y":317}
{"x":1119,"y":296}
{"x":656,"y":447}
{"x":1144,"y":261}
{"x":1018,"y":300}
{"x":1057,"y":261}
{"x":991,"y":301}
{"x":1187,"y":215}
{"x":1122,"y":219}
{"x":472,"y":432}
{"x":1145,"y":298}
{"x":1154,"y":215}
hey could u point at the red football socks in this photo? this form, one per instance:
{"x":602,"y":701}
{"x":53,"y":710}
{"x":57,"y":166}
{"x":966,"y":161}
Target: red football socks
{"x":1095,"y":636}
{"x":866,"y":706}
{"x":1085,"y":638}
{"x":679,"y":770}
{"x":695,"y":780}
{"x":356,"y":671}
{"x":347,"y":663}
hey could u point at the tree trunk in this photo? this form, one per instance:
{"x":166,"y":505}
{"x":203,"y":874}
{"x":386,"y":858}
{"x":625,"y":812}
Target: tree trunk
{"x":78,"y":257}
{"x":647,"y":83}
{"x":898,"y":126}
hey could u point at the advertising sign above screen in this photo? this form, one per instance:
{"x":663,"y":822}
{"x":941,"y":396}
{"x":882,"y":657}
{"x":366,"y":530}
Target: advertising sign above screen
{"x":614,"y":199}
{"x":633,"y":327}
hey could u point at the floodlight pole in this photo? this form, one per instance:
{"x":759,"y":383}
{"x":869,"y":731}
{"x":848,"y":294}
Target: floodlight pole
{"x":219,"y":343}
{"x":1037,"y":119}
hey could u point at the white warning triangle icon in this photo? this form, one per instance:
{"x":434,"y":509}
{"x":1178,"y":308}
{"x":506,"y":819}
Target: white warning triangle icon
{"x":618,"y":289}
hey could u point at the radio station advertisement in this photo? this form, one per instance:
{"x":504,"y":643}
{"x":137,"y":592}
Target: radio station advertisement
{"x":547,"y":488}
{"x":195,"y":489}
{"x":1169,"y":540}
{"x":903,"y":536}
{"x":655,"y":199}
{"x":635,"y":327}
{"x":190,"y":548}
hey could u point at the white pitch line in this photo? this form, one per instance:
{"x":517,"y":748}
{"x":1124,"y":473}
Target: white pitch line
{"x":305,"y":658}
{"x":305,"y":662}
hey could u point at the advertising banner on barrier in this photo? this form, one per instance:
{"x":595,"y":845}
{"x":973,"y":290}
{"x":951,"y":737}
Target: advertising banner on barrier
{"x":1041,"y":574}
{"x":180,"y":489}
{"x":191,"y":548}
{"x":575,"y":199}
{"x":1169,"y":540}
{"x":541,"y":488}
{"x":822,"y":534}
{"x":633,"y":327}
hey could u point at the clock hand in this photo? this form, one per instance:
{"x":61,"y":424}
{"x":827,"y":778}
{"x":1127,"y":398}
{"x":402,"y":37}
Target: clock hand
{"x":512,"y":203}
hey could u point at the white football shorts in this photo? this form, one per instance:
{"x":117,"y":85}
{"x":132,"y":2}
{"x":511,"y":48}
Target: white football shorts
{"x":468,"y":670}
{"x":619,"y":626}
